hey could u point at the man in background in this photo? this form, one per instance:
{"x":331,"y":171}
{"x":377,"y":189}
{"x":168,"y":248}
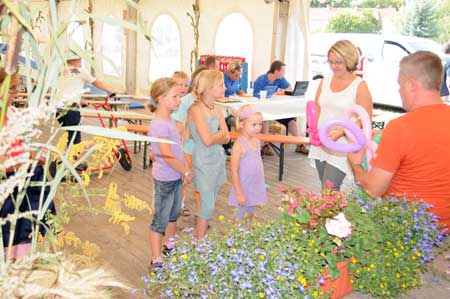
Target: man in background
{"x":274,"y":83}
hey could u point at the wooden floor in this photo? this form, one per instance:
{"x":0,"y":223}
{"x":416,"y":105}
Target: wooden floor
{"x":128,"y":256}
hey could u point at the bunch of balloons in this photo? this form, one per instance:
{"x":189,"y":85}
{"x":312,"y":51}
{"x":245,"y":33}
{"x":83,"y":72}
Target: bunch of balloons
{"x":359,"y":138}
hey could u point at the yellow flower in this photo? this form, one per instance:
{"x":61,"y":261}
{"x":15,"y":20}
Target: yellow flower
{"x":184,"y":256}
{"x":397,"y":275}
{"x":174,"y":260}
{"x":176,"y":293}
{"x":302,"y":280}
{"x":262,"y":257}
{"x":221,"y":218}
{"x":316,"y":250}
{"x":353,"y":260}
{"x":261,"y":295}
{"x":315,"y":294}
{"x":372,"y":266}
{"x":413,"y":257}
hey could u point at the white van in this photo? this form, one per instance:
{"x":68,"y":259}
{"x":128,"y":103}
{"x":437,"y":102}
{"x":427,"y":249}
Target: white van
{"x":383,"y":54}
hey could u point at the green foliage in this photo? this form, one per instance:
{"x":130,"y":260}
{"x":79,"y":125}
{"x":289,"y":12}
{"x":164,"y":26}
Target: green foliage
{"x":444,"y":21}
{"x":347,"y":22}
{"x":381,"y":4}
{"x":388,"y":245}
{"x":420,"y":19}
{"x":331,"y":3}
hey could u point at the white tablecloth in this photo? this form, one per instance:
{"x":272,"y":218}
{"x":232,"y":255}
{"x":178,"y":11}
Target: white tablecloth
{"x":277,"y":107}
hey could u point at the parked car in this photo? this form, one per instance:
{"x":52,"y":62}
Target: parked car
{"x":383,"y":54}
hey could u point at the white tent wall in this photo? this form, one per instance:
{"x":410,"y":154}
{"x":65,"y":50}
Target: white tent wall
{"x":261,"y":15}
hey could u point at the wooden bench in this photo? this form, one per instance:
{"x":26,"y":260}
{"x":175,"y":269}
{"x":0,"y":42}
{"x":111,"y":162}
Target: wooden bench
{"x":272,"y":140}
{"x":124,"y":115}
{"x":140,"y":129}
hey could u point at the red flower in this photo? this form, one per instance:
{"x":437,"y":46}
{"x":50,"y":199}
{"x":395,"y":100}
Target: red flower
{"x":17,"y":148}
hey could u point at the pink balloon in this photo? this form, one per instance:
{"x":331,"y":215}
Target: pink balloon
{"x":371,"y":149}
{"x":311,"y":118}
{"x":363,"y":116}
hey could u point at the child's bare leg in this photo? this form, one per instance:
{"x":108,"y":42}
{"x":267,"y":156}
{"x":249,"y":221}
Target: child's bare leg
{"x":155,"y":245}
{"x":208,"y":200}
{"x":202,"y":228}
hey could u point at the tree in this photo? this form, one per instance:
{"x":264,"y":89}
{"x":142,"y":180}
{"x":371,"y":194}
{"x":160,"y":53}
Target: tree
{"x":444,"y":21}
{"x":347,"y":22}
{"x":381,"y":4}
{"x":420,"y":19}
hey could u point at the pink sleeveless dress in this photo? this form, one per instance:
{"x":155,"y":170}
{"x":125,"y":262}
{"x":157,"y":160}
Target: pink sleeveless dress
{"x":251,"y":176}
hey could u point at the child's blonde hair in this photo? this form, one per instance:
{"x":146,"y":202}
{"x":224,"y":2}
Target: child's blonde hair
{"x":180,"y":75}
{"x":203,"y":81}
{"x":243,"y":113}
{"x":160,"y":88}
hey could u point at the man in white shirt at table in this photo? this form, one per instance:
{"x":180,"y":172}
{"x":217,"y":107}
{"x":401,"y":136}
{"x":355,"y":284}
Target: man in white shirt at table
{"x":274,"y":83}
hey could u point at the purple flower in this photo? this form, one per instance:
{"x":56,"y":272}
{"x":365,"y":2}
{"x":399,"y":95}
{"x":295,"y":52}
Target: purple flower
{"x":321,"y":281}
{"x":145,"y":279}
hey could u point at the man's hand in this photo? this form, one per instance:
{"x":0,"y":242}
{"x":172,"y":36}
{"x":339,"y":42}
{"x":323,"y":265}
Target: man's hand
{"x":356,"y":158}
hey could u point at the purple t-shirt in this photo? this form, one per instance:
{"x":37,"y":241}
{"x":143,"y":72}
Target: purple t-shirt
{"x":165,"y":128}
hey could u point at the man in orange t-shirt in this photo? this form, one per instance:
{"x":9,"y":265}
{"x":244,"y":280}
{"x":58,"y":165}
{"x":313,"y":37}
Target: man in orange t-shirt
{"x":413,"y":157}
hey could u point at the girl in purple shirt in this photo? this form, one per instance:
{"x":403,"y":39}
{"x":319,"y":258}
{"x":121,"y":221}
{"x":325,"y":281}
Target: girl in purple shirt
{"x":170,"y":170}
{"x":247,"y":170}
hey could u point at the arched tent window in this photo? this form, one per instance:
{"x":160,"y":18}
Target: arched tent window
{"x":234,"y":37}
{"x":76,"y":33}
{"x":165,"y":57}
{"x":112,"y":50}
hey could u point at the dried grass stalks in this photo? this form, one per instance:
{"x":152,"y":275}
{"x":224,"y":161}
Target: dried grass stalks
{"x":52,"y":276}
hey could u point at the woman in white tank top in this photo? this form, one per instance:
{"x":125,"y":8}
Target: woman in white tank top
{"x":334,"y":96}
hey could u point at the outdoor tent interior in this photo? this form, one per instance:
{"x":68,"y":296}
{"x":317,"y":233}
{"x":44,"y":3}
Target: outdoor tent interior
{"x":257,"y":31}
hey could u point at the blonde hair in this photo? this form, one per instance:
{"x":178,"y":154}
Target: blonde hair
{"x":238,"y":116}
{"x":424,"y":66}
{"x":160,"y":88}
{"x":180,"y":75}
{"x":348,"y":52}
{"x":234,"y":67}
{"x":204,"y":80}
{"x":194,"y":77}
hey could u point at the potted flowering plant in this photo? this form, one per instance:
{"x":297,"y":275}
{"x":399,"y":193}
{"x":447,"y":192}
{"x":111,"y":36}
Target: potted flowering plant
{"x":305,"y":252}
{"x":391,"y":243}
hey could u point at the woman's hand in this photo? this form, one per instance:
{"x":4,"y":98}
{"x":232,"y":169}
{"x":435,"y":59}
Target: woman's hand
{"x":335,"y":134}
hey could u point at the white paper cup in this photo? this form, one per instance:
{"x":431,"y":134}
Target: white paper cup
{"x":263,"y":94}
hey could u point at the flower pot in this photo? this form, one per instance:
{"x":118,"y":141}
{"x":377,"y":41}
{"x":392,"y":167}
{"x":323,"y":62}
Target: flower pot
{"x":341,"y":286}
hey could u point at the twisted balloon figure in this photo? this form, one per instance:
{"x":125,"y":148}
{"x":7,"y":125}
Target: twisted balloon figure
{"x":311,"y":119}
{"x":359,"y":138}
